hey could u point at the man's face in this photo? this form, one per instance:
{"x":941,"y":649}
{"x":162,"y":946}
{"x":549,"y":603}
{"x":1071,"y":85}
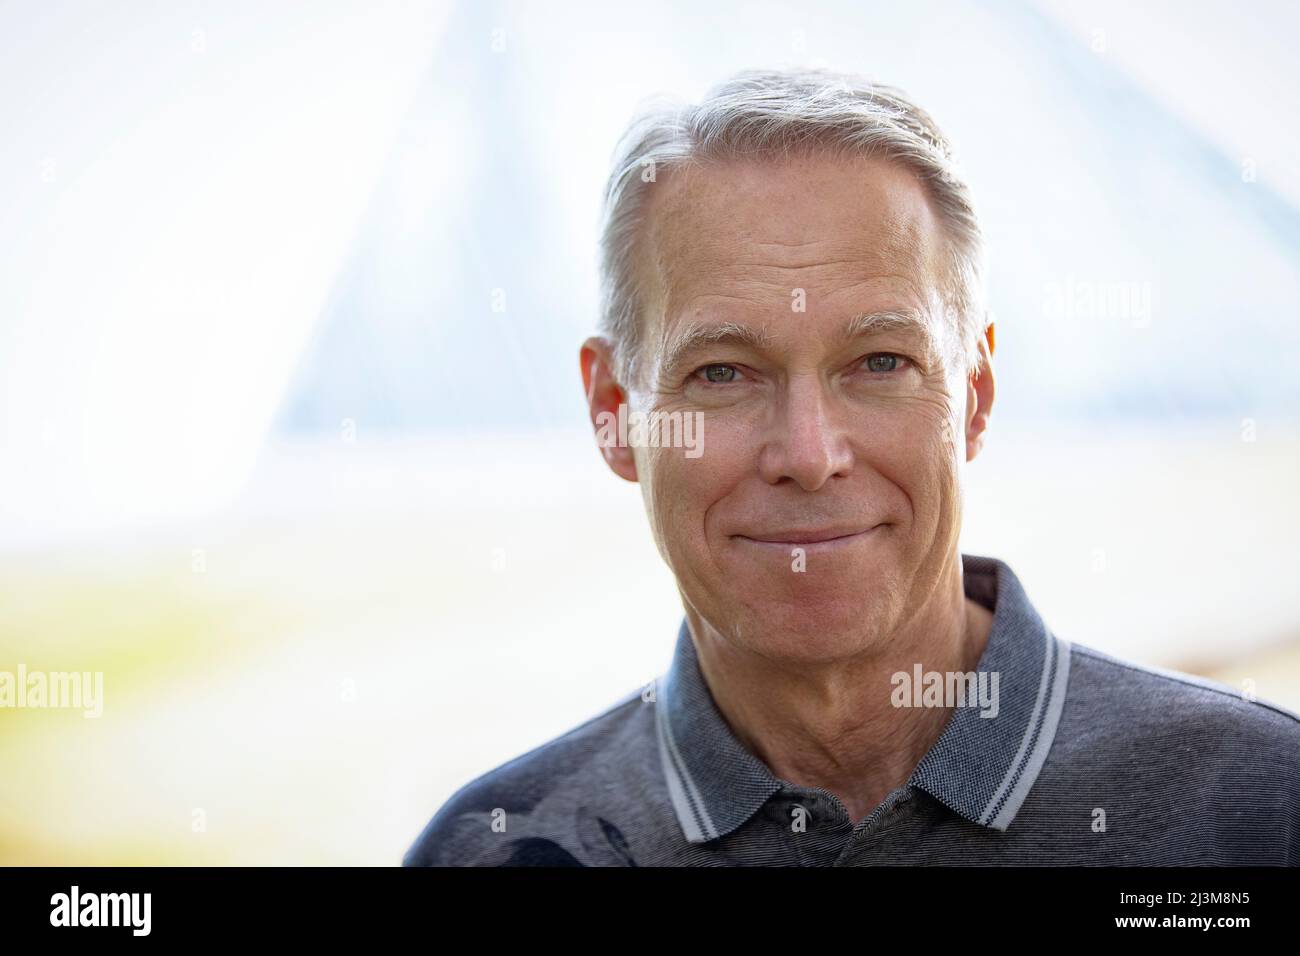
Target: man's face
{"x":827,"y":498}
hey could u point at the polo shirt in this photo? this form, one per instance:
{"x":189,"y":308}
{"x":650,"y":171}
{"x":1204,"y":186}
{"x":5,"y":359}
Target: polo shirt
{"x":1089,"y":760}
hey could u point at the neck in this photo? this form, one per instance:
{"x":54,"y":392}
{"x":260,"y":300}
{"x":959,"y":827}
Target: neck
{"x":834,"y":726}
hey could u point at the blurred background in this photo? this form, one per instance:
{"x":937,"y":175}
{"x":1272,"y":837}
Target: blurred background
{"x":293,"y":446}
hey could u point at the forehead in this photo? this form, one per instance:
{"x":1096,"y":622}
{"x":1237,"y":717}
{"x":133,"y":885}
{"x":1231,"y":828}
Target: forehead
{"x":756,"y":229}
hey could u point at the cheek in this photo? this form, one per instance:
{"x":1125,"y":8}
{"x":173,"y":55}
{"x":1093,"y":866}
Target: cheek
{"x":913,"y":448}
{"x":682,"y":490}
{"x":679,"y":492}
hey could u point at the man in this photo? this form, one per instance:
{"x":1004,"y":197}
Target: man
{"x":796,"y":263}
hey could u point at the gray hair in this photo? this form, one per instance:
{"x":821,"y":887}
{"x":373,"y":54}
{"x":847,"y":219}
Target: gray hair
{"x":765,"y":112}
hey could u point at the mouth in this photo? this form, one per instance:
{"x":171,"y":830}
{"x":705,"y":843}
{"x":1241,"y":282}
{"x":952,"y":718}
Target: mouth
{"x":821,"y":539}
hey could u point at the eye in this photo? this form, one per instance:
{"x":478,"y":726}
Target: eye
{"x":718,"y":374}
{"x":883,"y":362}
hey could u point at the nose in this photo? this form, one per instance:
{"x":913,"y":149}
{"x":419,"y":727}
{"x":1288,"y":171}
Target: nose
{"x":806,"y":444}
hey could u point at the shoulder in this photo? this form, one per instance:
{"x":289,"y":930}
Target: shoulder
{"x":461,"y":831}
{"x":1182,"y":691}
{"x":1183,"y":769}
{"x":1137,"y":707}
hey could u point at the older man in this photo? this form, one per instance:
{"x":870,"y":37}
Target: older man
{"x":796,"y":263}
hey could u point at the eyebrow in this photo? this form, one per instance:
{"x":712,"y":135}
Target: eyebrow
{"x":698,"y":335}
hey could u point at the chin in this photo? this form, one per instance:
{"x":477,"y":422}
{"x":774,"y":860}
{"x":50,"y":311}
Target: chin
{"x":844,"y":585}
{"x":830,"y":627}
{"x":841,"y":604}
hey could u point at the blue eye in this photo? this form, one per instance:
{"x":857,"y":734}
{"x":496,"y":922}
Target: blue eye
{"x":719,"y":374}
{"x":883,"y":362}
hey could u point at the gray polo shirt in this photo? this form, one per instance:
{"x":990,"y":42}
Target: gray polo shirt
{"x":1089,"y":760}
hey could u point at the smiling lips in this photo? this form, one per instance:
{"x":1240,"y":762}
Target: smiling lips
{"x":805,"y":537}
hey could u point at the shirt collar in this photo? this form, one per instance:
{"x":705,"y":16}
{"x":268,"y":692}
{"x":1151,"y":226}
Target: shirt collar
{"x":980,"y":767}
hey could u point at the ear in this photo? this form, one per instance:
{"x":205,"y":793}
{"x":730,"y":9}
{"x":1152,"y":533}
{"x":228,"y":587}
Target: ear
{"x":604,"y":397}
{"x":979,"y":396}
